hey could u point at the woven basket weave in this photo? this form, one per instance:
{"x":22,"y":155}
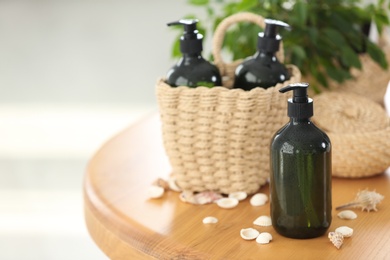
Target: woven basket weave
{"x":359,"y":130}
{"x":217,"y":139}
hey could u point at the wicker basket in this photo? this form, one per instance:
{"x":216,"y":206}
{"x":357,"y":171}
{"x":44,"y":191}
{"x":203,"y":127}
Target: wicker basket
{"x":359,"y":130}
{"x":217,"y":139}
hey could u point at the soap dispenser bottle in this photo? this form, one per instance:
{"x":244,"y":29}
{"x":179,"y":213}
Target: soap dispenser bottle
{"x":192,"y":69}
{"x":263,"y":69}
{"x":300,"y":178}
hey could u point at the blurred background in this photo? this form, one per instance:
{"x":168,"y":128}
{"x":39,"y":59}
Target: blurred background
{"x":72,"y":74}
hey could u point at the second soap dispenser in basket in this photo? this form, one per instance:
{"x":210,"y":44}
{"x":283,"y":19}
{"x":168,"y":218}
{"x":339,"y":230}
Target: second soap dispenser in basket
{"x":263,"y":69}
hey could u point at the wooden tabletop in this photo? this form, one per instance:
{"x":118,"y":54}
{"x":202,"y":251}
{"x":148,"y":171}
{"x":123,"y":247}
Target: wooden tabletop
{"x":125,"y":224}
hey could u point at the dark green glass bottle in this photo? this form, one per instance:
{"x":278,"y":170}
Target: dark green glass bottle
{"x":300,"y":179}
{"x":263,"y":69}
{"x":192,"y":70}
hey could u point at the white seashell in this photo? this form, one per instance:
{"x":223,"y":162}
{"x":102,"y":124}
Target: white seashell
{"x":155,"y":192}
{"x":264,"y":238}
{"x":249,"y":233}
{"x":345,"y":231}
{"x":263,"y":221}
{"x":366,"y":200}
{"x":347,"y":214}
{"x":227,"y":203}
{"x":210,"y":220}
{"x":336,"y":238}
{"x":240,"y":195}
{"x":173,"y":185}
{"x":259,"y":199}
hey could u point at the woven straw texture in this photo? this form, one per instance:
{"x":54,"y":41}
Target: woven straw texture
{"x":359,"y":130}
{"x":217,"y":139}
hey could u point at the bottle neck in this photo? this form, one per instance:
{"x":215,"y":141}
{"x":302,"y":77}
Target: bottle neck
{"x":196,"y":55}
{"x":295,"y":121}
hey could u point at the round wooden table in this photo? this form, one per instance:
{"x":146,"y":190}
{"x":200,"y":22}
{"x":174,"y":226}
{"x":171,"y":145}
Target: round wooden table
{"x":125,"y":224}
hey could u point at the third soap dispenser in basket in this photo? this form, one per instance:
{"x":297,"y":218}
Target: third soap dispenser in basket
{"x":301,"y":171}
{"x":263,"y":69}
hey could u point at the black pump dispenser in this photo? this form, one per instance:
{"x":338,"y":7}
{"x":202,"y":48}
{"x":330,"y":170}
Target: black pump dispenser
{"x":301,"y":171}
{"x":192,"y":70}
{"x":191,"y":40}
{"x":269,"y":40}
{"x":299,"y":106}
{"x":263,"y":69}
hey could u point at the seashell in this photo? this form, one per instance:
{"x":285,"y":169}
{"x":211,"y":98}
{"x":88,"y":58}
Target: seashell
{"x":161,"y":183}
{"x":200,"y":198}
{"x":347,"y":214}
{"x":173,"y":185}
{"x":249,"y":233}
{"x":259,"y":199}
{"x":210,"y":220}
{"x":264,"y":238}
{"x":240,"y":195}
{"x":155,"y":192}
{"x":206,"y":197}
{"x":188,"y":197}
{"x":263,"y":221}
{"x":345,"y":231}
{"x":366,"y":200}
{"x":336,"y":238}
{"x":227,"y":203}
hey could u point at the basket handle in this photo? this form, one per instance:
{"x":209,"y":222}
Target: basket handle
{"x":224,"y":25}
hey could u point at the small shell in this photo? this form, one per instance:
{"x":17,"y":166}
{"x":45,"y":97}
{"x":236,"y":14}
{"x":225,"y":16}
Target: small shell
{"x":263,"y":221}
{"x":210,"y":220}
{"x":249,"y":233}
{"x":206,"y":197}
{"x":173,"y":185}
{"x":188,"y":197}
{"x":347,"y":214}
{"x":345,"y":231}
{"x":227,"y":203}
{"x":258,"y":199}
{"x":155,"y":192}
{"x":264,"y":238}
{"x":336,"y":238}
{"x":240,"y":195}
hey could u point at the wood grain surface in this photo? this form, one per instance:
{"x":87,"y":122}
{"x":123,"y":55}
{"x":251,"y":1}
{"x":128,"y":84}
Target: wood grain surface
{"x":125,"y":224}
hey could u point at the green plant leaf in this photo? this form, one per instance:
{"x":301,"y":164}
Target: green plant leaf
{"x":246,"y":5}
{"x":350,"y":58}
{"x":334,"y":36}
{"x":301,"y":12}
{"x":198,"y":2}
{"x":377,"y":54}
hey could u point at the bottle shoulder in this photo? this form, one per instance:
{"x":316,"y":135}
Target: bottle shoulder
{"x":301,"y":136}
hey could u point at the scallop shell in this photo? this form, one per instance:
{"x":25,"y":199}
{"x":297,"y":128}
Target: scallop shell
{"x":264,"y":238}
{"x":263,"y":221}
{"x":210,"y":220}
{"x":345,"y":231}
{"x":259,"y":199}
{"x":240,"y":195}
{"x":336,"y":238}
{"x":227,"y":203}
{"x":347,"y":214}
{"x":155,"y":192}
{"x":249,"y":233}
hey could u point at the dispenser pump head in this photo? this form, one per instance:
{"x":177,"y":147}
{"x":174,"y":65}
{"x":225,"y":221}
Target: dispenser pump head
{"x":191,"y":40}
{"x":300,"y":105}
{"x":269,"y":40}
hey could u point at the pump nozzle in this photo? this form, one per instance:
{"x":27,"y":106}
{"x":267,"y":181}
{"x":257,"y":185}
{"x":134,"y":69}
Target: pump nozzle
{"x":191,"y":40}
{"x":269,"y":40}
{"x":300,"y":106}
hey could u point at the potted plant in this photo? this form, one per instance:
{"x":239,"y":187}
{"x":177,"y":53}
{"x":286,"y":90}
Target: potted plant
{"x":327,"y":36}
